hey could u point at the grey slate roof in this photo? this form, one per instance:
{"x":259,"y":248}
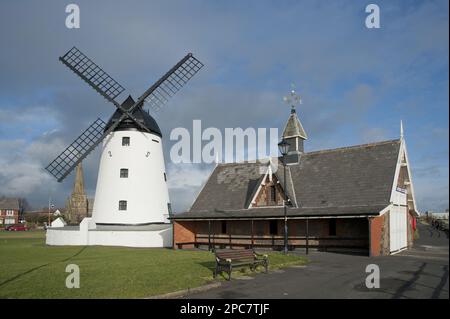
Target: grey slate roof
{"x":9,"y":203}
{"x":278,"y":212}
{"x":350,"y":180}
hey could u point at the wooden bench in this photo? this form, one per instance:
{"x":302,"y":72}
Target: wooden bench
{"x":226,"y":259}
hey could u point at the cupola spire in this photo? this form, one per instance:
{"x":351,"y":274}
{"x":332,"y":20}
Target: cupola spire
{"x":293,"y":132}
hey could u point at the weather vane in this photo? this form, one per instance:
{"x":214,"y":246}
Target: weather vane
{"x":292,"y":99}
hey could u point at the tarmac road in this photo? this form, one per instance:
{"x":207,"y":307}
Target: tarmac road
{"x":421,"y":272}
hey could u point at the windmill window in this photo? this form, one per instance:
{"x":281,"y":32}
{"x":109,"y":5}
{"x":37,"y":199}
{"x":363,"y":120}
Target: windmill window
{"x":125,"y":141}
{"x":169,"y":209}
{"x":165,"y":177}
{"x":124,"y":173}
{"x":122,"y":205}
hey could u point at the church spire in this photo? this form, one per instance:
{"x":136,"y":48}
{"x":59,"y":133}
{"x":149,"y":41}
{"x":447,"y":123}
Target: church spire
{"x":78,"y":187}
{"x":77,"y":204}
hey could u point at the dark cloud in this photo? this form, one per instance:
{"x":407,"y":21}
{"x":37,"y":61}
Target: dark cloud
{"x":356,"y":84}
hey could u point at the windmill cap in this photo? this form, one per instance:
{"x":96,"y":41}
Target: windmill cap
{"x":128,"y":124}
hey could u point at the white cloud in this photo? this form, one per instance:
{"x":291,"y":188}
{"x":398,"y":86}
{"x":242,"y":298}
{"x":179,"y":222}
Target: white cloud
{"x":182,"y":176}
{"x":251,"y":54}
{"x":185,"y":182}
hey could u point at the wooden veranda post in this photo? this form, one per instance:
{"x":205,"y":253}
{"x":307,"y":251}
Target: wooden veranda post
{"x":252,"y":234}
{"x":209,"y":235}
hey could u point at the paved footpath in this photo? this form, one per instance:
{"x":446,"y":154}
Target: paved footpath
{"x":421,"y":272}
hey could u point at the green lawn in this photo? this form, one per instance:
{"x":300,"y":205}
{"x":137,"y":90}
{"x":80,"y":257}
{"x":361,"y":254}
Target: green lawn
{"x":30,"y":269}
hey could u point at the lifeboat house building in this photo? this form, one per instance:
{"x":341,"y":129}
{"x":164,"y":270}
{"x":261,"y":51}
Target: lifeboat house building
{"x":357,"y":198}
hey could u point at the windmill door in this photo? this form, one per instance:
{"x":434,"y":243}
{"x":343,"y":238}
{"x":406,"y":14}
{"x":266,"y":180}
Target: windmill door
{"x":398,"y":224}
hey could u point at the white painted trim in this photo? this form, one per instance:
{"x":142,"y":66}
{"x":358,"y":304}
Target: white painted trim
{"x":400,"y":164}
{"x":397,"y":173}
{"x":293,"y":190}
{"x":299,"y":136}
{"x":385,"y":210}
{"x":399,"y":251}
{"x":411,"y":187}
{"x":263,"y":182}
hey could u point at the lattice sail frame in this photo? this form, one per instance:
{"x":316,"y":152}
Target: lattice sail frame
{"x":90,"y":72}
{"x":173,"y":83}
{"x":156,"y":96}
{"x":62,"y":165}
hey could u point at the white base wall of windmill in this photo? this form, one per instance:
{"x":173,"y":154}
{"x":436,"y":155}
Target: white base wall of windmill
{"x":89,"y":234}
{"x":144,"y":190}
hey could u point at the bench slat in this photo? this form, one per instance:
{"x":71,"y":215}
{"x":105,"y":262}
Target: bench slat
{"x":228,"y":258}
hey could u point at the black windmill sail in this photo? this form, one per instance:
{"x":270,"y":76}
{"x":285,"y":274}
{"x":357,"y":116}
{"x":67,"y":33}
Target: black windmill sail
{"x":129,"y":111}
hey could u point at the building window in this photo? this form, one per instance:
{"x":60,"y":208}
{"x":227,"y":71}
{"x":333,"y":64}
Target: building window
{"x":122,"y":205}
{"x":10,"y":221}
{"x":9,"y":212}
{"x":273,"y":227}
{"x":332,"y":227}
{"x":224,"y":227}
{"x":124,"y":173}
{"x":125,"y":141}
{"x":273,"y":193}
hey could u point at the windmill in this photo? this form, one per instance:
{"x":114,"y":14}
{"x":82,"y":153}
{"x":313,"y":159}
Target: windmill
{"x":131,"y":184}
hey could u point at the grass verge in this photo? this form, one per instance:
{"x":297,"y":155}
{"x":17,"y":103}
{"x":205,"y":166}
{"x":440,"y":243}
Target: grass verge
{"x":30,"y":269}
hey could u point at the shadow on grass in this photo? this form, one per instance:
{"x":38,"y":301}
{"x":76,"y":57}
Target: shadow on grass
{"x":39,"y":267}
{"x":211,"y":265}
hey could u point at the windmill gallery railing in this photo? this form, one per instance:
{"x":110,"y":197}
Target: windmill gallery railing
{"x":213,"y":241}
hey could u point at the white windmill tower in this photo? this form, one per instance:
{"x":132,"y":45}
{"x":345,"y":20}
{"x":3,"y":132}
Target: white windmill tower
{"x":131,"y":184}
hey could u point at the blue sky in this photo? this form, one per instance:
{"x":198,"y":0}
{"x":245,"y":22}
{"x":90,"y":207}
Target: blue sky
{"x":356,"y":83}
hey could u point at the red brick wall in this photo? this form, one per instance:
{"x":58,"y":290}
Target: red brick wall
{"x":183,"y":232}
{"x":379,"y":235}
{"x":376,"y":233}
{"x":355,"y":232}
